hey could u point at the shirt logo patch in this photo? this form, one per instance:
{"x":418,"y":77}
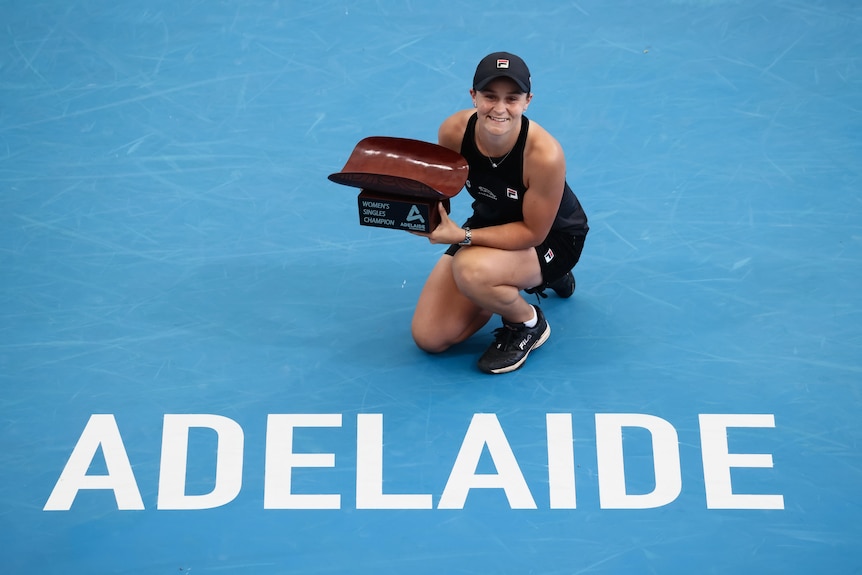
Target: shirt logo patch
{"x":549,"y":255}
{"x":513,"y":194}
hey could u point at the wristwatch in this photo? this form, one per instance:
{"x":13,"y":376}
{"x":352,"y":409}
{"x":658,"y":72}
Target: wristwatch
{"x":468,"y":237}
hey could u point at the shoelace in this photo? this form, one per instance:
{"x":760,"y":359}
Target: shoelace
{"x":503,"y":337}
{"x":539,"y":292}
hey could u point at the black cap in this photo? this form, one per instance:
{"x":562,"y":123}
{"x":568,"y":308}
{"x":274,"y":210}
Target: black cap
{"x":502,"y":65}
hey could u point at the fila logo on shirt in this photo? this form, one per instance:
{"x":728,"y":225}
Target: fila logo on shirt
{"x":512,"y":194}
{"x":549,"y":255}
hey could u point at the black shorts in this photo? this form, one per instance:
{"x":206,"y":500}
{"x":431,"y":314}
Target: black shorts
{"x":557,"y":254}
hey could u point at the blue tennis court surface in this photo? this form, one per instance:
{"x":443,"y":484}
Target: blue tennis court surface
{"x":206,"y":361}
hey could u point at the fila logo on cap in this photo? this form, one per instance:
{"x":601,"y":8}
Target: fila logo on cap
{"x":503,"y":63}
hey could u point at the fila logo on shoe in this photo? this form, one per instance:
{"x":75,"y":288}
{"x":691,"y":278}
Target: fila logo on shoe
{"x":524,"y":342}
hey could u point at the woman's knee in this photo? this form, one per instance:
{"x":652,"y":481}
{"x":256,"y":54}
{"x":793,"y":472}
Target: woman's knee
{"x":470,"y":272}
{"x":428,"y":340}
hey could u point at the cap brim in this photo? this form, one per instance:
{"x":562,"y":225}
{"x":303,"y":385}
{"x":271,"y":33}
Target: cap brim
{"x":484,"y":83}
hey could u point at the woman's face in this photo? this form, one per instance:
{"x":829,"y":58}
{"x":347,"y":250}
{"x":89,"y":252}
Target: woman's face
{"x":500,"y":105}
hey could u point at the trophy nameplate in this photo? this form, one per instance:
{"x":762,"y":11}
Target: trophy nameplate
{"x":382,"y":210}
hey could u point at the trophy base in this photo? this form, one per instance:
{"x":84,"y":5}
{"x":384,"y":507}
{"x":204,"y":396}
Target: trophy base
{"x":382,"y":210}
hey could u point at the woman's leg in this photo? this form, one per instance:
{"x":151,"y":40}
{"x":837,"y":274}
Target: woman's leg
{"x":463,"y":292}
{"x":444,"y":316}
{"x":493,"y":279}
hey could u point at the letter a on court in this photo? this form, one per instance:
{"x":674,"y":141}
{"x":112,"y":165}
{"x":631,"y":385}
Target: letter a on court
{"x":415,"y":214}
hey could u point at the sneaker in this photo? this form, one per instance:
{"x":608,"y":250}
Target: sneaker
{"x":513,"y":343}
{"x":565,"y":286}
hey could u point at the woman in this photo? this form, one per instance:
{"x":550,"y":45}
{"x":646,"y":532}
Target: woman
{"x":527,"y":229}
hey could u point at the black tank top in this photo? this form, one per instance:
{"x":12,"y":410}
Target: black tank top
{"x":498,"y":193}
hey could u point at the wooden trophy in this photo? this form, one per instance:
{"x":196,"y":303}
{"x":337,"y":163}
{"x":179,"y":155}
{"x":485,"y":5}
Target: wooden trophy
{"x":402,"y":181}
